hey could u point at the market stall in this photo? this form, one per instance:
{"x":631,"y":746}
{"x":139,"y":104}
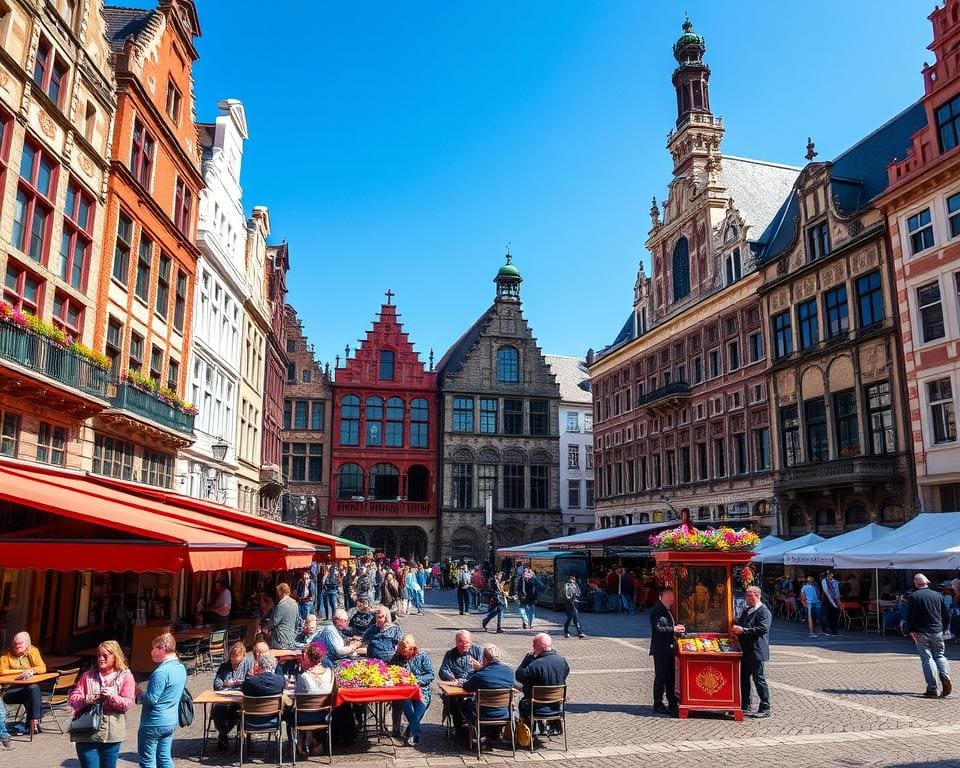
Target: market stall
{"x":701,"y":566}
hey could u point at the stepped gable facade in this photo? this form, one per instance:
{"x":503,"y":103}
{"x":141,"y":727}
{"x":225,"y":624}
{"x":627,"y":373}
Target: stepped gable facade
{"x":384,"y":485}
{"x":499,"y":420}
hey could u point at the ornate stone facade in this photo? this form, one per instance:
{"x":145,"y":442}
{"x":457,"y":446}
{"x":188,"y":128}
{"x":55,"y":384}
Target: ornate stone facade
{"x":499,"y":411}
{"x":680,"y":396}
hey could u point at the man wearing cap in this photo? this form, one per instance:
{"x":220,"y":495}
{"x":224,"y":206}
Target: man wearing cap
{"x":927,"y":618}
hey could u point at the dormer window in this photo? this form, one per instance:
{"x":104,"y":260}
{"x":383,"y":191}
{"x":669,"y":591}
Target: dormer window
{"x":948,"y":124}
{"x":733,"y":267}
{"x":818,"y":241}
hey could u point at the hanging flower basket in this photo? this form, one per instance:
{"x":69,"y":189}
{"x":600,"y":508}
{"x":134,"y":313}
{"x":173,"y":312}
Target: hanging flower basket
{"x":686,"y":538}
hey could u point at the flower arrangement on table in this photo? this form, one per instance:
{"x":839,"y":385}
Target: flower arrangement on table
{"x":373,"y":673}
{"x":686,"y":538}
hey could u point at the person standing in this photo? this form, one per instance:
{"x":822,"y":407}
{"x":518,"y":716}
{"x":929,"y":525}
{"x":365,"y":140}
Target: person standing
{"x":160,"y":703}
{"x":346,"y":584}
{"x":305,"y":596}
{"x":25,"y":660}
{"x":627,"y":592}
{"x":663,"y":644}
{"x":222,"y":604}
{"x":811,"y":601}
{"x":571,"y":591}
{"x":753,"y":631}
{"x":927,"y":618}
{"x":112,"y":684}
{"x":527,"y":592}
{"x":331,"y":588}
{"x":463,"y":589}
{"x":497,"y":603}
{"x":283,"y":625}
{"x":831,"y":602}
{"x":415,"y":590}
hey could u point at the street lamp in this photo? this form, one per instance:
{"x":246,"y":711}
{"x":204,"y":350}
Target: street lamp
{"x":219,"y":449}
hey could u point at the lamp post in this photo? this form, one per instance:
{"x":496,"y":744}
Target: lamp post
{"x":219,"y":449}
{"x":488,"y":516}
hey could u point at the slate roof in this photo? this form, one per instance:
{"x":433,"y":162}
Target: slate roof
{"x":452,"y":361}
{"x":856,"y":177}
{"x":573,"y":377}
{"x":757,"y":188}
{"x":122,"y":23}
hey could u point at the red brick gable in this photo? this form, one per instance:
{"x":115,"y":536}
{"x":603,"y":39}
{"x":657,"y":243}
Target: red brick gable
{"x":387,"y":334}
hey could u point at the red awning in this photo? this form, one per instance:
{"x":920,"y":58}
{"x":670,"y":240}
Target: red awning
{"x":149,"y":541}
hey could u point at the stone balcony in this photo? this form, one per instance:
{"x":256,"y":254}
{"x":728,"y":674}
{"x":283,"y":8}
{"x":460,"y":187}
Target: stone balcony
{"x":666,"y":398}
{"x":848,"y":472}
{"x":381,"y":508}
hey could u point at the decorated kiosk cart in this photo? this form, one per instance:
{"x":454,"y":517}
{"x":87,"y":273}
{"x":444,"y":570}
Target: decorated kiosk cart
{"x":702,"y":567}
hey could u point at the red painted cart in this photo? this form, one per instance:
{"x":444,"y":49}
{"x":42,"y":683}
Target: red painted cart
{"x":708,"y":656}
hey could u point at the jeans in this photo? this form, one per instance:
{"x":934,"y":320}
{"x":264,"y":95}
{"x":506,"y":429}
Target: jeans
{"x":752,"y":670}
{"x":329,"y":603}
{"x":29,"y":696}
{"x":930,"y":648}
{"x":225,"y":717}
{"x":573,"y":615}
{"x":416,"y":598}
{"x":414,"y":712}
{"x":304,"y":609}
{"x":528,"y":613}
{"x":154,"y":743}
{"x":495,"y":611}
{"x":4,"y":733}
{"x":463,"y":599}
{"x":626,"y":603}
{"x":92,"y":754}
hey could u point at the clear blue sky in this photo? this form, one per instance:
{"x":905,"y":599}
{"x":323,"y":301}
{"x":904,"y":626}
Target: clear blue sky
{"x":402,"y":145}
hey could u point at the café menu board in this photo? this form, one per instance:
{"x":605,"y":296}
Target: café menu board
{"x":708,"y":644}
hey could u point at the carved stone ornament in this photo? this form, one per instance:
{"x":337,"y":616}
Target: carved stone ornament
{"x":806,"y":287}
{"x":86,"y":165}
{"x":46,"y":125}
{"x":864,"y":260}
{"x":4,"y":80}
{"x":779,"y":300}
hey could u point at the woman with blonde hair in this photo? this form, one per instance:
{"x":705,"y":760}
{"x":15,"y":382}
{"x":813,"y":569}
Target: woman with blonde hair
{"x":410,"y":657}
{"x":111,"y":684}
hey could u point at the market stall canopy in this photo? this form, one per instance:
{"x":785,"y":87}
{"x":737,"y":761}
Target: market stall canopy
{"x":775,"y":553}
{"x":84,"y":528}
{"x":767,"y":541}
{"x":929,"y":541}
{"x":524,"y":549}
{"x":823,"y":553}
{"x":620,"y":536}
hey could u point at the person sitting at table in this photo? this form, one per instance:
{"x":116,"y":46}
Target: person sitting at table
{"x":331,"y":638}
{"x":316,"y":678}
{"x":382,"y":637}
{"x":542,"y":666}
{"x":492,"y":673}
{"x":263,"y":679}
{"x":411,"y":658}
{"x":308,"y":632}
{"x":457,"y":665}
{"x":24,"y":659}
{"x":283,"y":626}
{"x":360,"y":620}
{"x":222,"y":604}
{"x":229,"y":677}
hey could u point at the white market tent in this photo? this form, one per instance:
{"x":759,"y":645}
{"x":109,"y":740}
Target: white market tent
{"x":775,"y":552}
{"x":768,"y":541}
{"x":823,"y":553}
{"x":929,"y":541}
{"x":525,"y":549}
{"x":595,"y":541}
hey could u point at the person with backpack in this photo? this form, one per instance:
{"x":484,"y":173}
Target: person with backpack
{"x":463,"y":589}
{"x":160,"y":702}
{"x":527,"y":591}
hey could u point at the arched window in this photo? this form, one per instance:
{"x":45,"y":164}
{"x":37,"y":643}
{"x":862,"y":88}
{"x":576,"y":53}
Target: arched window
{"x":419,"y":423}
{"x":350,"y":420}
{"x":681,"y":269}
{"x":385,"y":540}
{"x":413,"y":543}
{"x":796,"y":520}
{"x":826,"y":518}
{"x":374,"y":421}
{"x":418,"y":482}
{"x":508,"y":364}
{"x":394,"y":423}
{"x":855,"y":515}
{"x":349,"y":481}
{"x":386,"y":365}
{"x":385,"y":482}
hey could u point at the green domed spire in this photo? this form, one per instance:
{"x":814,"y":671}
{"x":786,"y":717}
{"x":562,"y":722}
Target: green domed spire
{"x":508,"y":280}
{"x":689,"y":39}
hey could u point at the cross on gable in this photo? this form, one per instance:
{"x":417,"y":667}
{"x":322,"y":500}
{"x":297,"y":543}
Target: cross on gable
{"x":389,"y":294}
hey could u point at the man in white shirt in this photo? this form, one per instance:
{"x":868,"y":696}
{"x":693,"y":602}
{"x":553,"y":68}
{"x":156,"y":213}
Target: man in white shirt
{"x":221,"y":605}
{"x":831,"y":601}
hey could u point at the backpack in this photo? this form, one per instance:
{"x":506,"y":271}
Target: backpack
{"x":464,"y":579}
{"x":185,"y":709}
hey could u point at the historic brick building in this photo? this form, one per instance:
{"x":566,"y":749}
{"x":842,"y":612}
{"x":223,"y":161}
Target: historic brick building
{"x":56,"y":110}
{"x":680,"y":398}
{"x":274,"y":375}
{"x":305,"y":439}
{"x":145,"y":287}
{"x":384,"y":490}
{"x":922,"y":206}
{"x":500,"y":404}
{"x":840,"y":447}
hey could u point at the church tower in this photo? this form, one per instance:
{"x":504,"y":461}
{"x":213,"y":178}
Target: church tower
{"x":695,"y":142}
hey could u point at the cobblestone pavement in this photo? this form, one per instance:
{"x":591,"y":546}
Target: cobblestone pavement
{"x":850,"y":701}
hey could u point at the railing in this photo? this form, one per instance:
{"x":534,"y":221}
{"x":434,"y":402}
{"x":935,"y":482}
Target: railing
{"x":678,"y":389}
{"x":52,"y":361}
{"x":871,"y":468}
{"x":382,"y":508}
{"x":146,"y":404}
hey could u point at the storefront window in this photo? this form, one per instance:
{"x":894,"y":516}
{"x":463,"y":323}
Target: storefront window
{"x":702,"y":599}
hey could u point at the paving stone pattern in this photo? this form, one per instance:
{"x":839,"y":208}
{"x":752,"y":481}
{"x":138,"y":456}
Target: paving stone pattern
{"x":850,"y":701}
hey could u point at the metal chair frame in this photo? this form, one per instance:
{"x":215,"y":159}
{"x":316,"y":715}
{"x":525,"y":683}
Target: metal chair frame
{"x":189,"y":650}
{"x":314,"y":702}
{"x":58,"y":695}
{"x":262,"y":706}
{"x":494,"y":698}
{"x":548,"y":695}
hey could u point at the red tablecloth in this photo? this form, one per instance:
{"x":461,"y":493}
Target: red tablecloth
{"x":371,"y":695}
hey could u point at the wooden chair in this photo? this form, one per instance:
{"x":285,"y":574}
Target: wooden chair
{"x":554,"y":697}
{"x":493,"y":698}
{"x":313,"y":704}
{"x":188,"y":652}
{"x":262,"y":714}
{"x":55,"y":697}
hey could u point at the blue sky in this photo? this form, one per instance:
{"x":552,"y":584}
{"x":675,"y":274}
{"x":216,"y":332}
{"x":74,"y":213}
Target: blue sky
{"x":403,"y":145}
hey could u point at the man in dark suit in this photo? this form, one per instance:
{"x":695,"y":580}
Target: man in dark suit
{"x":492,"y":673}
{"x":264,"y":681}
{"x":753,"y":631}
{"x":663,"y":643}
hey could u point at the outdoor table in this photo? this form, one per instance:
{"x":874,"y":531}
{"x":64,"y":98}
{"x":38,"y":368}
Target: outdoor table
{"x":376,"y":700}
{"x":452,"y":691}
{"x":10,"y":679}
{"x":233,"y":696}
{"x":61,"y":662}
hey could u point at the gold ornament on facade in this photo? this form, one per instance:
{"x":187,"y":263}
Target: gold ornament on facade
{"x":46,"y":125}
{"x":709,"y":680}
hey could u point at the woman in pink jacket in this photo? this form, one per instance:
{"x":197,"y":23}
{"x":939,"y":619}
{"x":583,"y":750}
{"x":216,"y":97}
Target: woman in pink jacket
{"x":112,"y":684}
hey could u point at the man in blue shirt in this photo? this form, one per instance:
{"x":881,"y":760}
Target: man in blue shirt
{"x":458,"y":664}
{"x":492,"y":673}
{"x":332,"y":639}
{"x":160,"y":704}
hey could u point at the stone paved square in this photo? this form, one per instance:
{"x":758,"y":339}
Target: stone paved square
{"x":850,"y":701}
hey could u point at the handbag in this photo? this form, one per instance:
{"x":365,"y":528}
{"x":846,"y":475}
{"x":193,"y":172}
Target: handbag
{"x":87,"y":721}
{"x":522,"y":731}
